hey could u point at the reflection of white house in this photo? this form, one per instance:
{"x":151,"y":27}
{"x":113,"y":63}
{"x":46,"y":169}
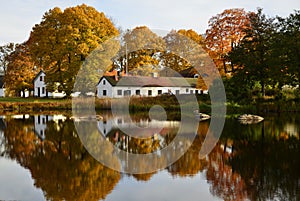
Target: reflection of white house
{"x":2,"y":87}
{"x":40,"y":88}
{"x":40,"y":123}
{"x":114,"y":87}
{"x":141,"y":128}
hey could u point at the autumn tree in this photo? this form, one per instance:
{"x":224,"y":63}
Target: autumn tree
{"x":5,"y":51}
{"x":176,"y":41}
{"x":63,"y":40}
{"x":190,"y":33}
{"x":138,"y":53}
{"x":225,"y":32}
{"x":20,"y":70}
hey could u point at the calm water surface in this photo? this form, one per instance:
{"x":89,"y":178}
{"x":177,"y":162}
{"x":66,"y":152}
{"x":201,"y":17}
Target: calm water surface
{"x":42,"y":158}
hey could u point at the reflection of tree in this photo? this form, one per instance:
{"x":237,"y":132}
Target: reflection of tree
{"x":20,"y":140}
{"x":190,"y":164}
{"x":60,"y":165}
{"x":225,"y":182}
{"x":143,"y":177}
{"x":266,"y":157}
{"x":269,"y":167}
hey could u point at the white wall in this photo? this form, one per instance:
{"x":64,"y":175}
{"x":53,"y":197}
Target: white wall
{"x":39,"y":85}
{"x":2,"y":92}
{"x":104,"y":85}
{"x":121,"y":91}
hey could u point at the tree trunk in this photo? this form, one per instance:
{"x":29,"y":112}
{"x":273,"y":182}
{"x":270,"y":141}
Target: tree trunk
{"x":224,"y":64}
{"x":232,"y":67}
{"x":263,"y":90}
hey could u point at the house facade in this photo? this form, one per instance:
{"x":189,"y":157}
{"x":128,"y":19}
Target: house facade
{"x":114,"y":87}
{"x":40,"y":88}
{"x":2,"y":87}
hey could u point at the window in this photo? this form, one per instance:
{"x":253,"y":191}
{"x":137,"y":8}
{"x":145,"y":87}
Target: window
{"x":41,"y":78}
{"x":149,"y":92}
{"x":104,"y":92}
{"x":187,"y":90}
{"x":191,"y":92}
{"x":196,"y":91}
{"x":43,"y":90}
{"x":159,"y":92}
{"x":177,"y":92}
{"x":127,"y":93}
{"x":104,"y":82}
{"x":138,"y":92}
{"x":119,"y":92}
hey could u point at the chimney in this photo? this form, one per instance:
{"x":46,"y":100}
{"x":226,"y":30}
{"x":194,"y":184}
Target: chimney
{"x":115,"y":72}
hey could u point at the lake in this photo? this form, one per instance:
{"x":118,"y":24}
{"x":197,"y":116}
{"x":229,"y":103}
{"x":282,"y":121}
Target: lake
{"x":43,"y":158}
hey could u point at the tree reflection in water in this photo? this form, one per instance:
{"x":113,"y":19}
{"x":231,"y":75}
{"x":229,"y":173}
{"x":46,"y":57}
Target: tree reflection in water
{"x":256,"y":162}
{"x":60,"y":165}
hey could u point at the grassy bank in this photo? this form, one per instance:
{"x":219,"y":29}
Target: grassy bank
{"x":169,"y":103}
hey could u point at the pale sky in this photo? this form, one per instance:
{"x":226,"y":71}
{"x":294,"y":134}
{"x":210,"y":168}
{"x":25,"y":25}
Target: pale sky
{"x":17,"y":17}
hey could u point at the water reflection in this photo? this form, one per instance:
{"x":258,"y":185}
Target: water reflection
{"x":254,"y":162}
{"x":125,"y":135}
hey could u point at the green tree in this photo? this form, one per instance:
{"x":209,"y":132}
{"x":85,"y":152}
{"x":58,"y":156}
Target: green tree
{"x":287,"y":47}
{"x":254,"y":54}
{"x":63,"y":40}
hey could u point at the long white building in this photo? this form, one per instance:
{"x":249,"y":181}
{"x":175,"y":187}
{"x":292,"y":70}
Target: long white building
{"x":118,"y":87}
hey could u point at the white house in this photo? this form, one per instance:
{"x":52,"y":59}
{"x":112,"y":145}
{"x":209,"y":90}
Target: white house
{"x":114,"y":87}
{"x":2,"y":87}
{"x":40,"y":88}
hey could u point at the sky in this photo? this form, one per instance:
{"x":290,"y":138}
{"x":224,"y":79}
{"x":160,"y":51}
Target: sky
{"x":17,"y":17}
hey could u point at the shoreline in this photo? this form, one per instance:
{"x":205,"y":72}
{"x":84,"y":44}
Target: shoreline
{"x":170,"y":104}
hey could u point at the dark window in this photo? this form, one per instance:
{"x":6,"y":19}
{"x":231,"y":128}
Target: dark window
{"x":159,"y":92}
{"x":43,"y":90}
{"x":119,"y":92}
{"x":149,"y":92}
{"x":138,"y":92}
{"x":191,"y":91}
{"x":186,"y":90}
{"x":104,"y":82}
{"x":41,"y":78}
{"x":127,"y":93}
{"x":104,"y":92}
{"x":177,"y":92}
{"x":196,"y":91}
